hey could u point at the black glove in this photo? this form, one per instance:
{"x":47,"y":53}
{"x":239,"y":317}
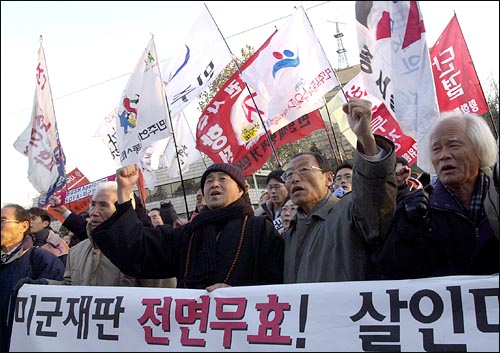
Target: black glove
{"x":416,"y":208}
{"x":29,"y":280}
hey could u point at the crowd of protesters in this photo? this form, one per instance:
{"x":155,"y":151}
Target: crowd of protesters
{"x":365,"y":220}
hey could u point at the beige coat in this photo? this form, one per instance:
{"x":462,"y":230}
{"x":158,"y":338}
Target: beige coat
{"x":86,"y":265}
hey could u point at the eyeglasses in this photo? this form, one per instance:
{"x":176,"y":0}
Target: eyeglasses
{"x":302,"y":171}
{"x":4,"y":220}
{"x":275,"y":187}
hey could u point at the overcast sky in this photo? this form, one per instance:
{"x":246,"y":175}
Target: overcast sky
{"x":92,"y":47}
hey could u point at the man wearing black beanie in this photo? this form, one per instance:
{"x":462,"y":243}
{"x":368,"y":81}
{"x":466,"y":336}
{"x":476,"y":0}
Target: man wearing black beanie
{"x":224,"y":245}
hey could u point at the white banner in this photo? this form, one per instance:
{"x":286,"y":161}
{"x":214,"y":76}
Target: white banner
{"x":456,"y":313}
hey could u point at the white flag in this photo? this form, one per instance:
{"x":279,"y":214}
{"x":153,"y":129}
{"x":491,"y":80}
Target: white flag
{"x":186,"y":148}
{"x":107,"y":132}
{"x":395,"y":65}
{"x":196,"y":63}
{"x":292,"y":74}
{"x":142,"y":116}
{"x":40,"y":140}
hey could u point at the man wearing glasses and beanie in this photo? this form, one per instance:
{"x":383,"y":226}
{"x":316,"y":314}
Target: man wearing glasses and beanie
{"x":332,"y":238}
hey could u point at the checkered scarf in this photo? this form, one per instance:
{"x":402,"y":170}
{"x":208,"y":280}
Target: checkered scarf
{"x":476,"y":211}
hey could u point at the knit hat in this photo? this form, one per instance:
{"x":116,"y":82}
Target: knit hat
{"x":235,"y":171}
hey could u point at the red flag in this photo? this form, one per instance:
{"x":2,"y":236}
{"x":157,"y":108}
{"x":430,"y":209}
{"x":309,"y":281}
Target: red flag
{"x":383,"y":123}
{"x":222,"y":131}
{"x":254,"y":158}
{"x":229,"y":129}
{"x":455,"y":78}
{"x":74,"y":179}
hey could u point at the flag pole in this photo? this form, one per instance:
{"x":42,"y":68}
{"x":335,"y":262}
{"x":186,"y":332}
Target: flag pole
{"x":480,"y":86}
{"x":176,"y":150}
{"x":268,"y":135}
{"x":57,"y":152}
{"x":334,"y":136}
{"x":193,"y":136}
{"x":340,"y":87}
{"x":177,"y":157}
{"x":323,"y":50}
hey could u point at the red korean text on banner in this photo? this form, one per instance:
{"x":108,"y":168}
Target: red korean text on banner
{"x":230,"y":121}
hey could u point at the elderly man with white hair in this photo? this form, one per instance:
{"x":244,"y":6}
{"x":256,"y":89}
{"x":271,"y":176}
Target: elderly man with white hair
{"x":448,"y":233}
{"x":86,"y":265}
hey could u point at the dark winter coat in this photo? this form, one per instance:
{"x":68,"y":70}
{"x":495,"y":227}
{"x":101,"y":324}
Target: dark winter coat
{"x":452,"y":245}
{"x":25,"y":261}
{"x":210,"y":249}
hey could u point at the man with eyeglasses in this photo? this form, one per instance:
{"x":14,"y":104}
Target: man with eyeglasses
{"x":20,"y":260}
{"x":278,"y":195}
{"x":343,"y":179}
{"x":332,"y":238}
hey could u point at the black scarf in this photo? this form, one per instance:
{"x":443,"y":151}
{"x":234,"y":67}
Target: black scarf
{"x":202,"y":267}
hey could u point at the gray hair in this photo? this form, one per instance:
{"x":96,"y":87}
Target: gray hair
{"x":476,"y":129}
{"x":107,"y":186}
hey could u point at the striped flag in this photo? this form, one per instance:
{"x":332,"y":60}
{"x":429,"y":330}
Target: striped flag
{"x":396,"y":66}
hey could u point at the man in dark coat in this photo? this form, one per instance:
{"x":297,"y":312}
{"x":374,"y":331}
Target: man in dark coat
{"x":449,"y":232}
{"x":224,"y":245}
{"x":19,"y":260}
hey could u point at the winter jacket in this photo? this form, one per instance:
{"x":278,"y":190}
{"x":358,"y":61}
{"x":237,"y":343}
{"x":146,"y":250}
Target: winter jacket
{"x":24,"y":261}
{"x":88,"y":266}
{"x":77,"y":224}
{"x":227,"y":245}
{"x":451,"y":245}
{"x":51,"y":241}
{"x":335,"y":241}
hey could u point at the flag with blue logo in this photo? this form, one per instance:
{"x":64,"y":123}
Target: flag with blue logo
{"x":292,"y":74}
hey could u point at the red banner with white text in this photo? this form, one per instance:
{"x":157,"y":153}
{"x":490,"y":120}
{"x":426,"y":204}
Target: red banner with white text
{"x":455,"y":78}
